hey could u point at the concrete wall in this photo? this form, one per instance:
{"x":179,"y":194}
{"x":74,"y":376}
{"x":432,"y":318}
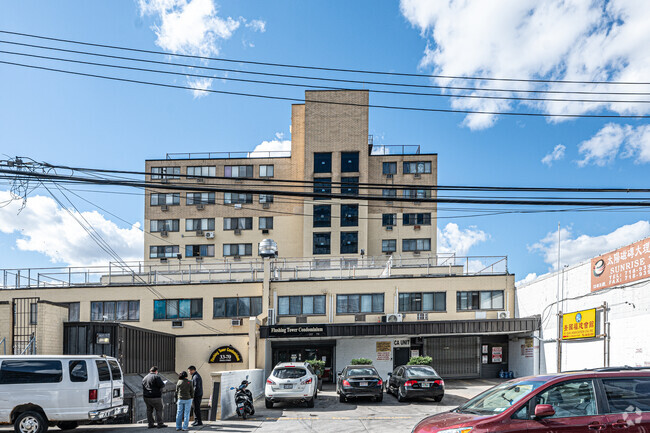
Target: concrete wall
{"x":49,"y":328}
{"x":350,"y":348}
{"x":233,"y":379}
{"x":524,"y":360}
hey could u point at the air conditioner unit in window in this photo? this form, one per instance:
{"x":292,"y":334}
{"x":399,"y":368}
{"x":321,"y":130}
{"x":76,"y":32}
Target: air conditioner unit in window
{"x":177,"y":323}
{"x":271,"y":315}
{"x":164,"y":208}
{"x":236,"y":322}
{"x":416,"y":227}
{"x":359,"y":317}
{"x":200,"y":206}
{"x":199,"y":232}
{"x":199,"y":259}
{"x":265,"y":231}
{"x":266,"y":205}
{"x":200,"y":180}
{"x":163,"y":260}
{"x":417,"y":175}
{"x":163,"y":233}
{"x":301,"y":319}
{"x":423,"y":316}
{"x":503,"y":315}
{"x":237,"y":205}
{"x":389,"y":228}
{"x":237,"y":258}
{"x":389,"y":176}
{"x":209,"y":235}
{"x":416,"y":253}
{"x":237,"y":231}
{"x":392,"y":318}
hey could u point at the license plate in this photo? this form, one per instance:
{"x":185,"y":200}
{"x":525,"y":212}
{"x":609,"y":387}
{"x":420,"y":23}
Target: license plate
{"x":425,"y":385}
{"x":363,"y":384}
{"x":240,"y":405}
{"x":288,"y":386}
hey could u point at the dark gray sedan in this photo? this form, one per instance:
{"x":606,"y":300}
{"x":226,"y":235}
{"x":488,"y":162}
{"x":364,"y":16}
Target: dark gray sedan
{"x":359,"y":381}
{"x":411,"y":381}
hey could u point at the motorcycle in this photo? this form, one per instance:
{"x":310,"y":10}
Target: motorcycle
{"x":244,"y":399}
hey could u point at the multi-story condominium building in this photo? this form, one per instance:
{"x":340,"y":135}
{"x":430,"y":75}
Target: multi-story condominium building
{"x":331,"y":154}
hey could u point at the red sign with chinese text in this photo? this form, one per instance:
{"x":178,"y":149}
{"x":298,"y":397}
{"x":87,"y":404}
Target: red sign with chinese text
{"x":621,"y":266}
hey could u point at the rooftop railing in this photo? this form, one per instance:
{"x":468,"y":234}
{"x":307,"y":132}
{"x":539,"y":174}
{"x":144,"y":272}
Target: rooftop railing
{"x":394,"y":149}
{"x":231,"y":155}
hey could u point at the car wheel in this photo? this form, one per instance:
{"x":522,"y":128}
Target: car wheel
{"x":30,"y":422}
{"x":268,"y":403}
{"x":342,"y":398}
{"x":316,"y":394}
{"x":400,"y":397}
{"x":67,"y":425}
{"x":379,"y":398}
{"x":438,"y":398}
{"x":310,"y":403}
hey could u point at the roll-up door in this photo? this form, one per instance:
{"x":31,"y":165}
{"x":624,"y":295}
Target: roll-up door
{"x":455,"y":357}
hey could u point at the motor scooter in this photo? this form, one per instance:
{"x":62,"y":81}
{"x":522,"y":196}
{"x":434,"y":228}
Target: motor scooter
{"x":244,"y":400}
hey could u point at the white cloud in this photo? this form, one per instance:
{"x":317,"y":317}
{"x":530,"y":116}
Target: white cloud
{"x":272,"y":148}
{"x":576,"y":249}
{"x":199,"y":83}
{"x":46,"y":228}
{"x":615,"y":140}
{"x":638,"y":144}
{"x":451,"y":239}
{"x":556,"y":155}
{"x":528,"y":279}
{"x":581,"y":40}
{"x":257,"y":26}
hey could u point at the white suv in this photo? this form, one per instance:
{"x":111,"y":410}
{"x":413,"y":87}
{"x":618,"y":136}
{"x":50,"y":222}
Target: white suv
{"x":291,"y":381}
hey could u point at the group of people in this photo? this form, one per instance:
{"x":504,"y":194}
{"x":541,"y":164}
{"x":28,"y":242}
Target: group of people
{"x":189,"y":393}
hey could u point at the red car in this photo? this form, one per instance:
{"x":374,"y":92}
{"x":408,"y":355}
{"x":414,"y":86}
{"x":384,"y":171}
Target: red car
{"x":607,"y":400}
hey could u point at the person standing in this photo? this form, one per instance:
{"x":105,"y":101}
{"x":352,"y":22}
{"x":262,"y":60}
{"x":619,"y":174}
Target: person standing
{"x":184,"y":395}
{"x":152,"y":386}
{"x":197,"y":384}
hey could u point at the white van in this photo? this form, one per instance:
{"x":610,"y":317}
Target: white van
{"x":39,"y":390}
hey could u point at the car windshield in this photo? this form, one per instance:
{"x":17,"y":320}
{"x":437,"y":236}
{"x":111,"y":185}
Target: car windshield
{"x":362,"y":372}
{"x":500,"y":398}
{"x":420,"y":371}
{"x":289,"y":373}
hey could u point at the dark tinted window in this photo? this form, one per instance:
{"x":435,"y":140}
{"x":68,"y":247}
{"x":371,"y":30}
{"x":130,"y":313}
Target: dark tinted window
{"x":389,"y":168}
{"x":78,"y":371}
{"x":321,"y":243}
{"x":322,"y":162}
{"x":349,"y":215}
{"x":628,"y":394}
{"x":388,"y":219}
{"x":420,"y":371}
{"x":24,"y":371}
{"x":289,"y":373}
{"x":349,"y":162}
{"x":349,"y":242}
{"x":350,"y":185}
{"x":103,"y":371}
{"x":322,"y":215}
{"x":115,"y":370}
{"x":362,"y":372}
{"x":322,"y":185}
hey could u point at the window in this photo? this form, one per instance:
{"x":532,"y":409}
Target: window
{"x":235,"y":198}
{"x":238,"y":171}
{"x":193,"y":172}
{"x":194,"y":224}
{"x":103,"y":371}
{"x":200,"y":198}
{"x":388,"y":245}
{"x":389,"y":168}
{"x":322,"y":162}
{"x":350,"y":185}
{"x":167,"y":309}
{"x":435,"y":301}
{"x":349,"y":162}
{"x":629,"y":394}
{"x":322,"y":215}
{"x":163,"y":252}
{"x":237,"y":307}
{"x":78,"y":371}
{"x":156,"y":226}
{"x":33,"y":313}
{"x":349,"y":242}
{"x":322,"y":185}
{"x":266,"y":171}
{"x":389,"y":192}
{"x":353,"y":304}
{"x":170,"y":199}
{"x":416,"y":245}
{"x":115,"y":370}
{"x":418,"y":167}
{"x":569,"y":399}
{"x":322,"y":243}
{"x":417,"y":193}
{"x":388,"y":219}
{"x":112,"y":311}
{"x":230,"y":250}
{"x":165,"y":172}
{"x":242,"y":223}
{"x":266,"y":223}
{"x":301,"y":305}
{"x":266,"y":198}
{"x":411,"y":219}
{"x":199,"y":250}
{"x":30,"y":371}
{"x":73,"y":312}
{"x":349,"y":215}
{"x":480,"y":300}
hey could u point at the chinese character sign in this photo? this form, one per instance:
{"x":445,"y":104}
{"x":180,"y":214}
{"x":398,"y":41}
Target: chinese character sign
{"x":581,"y":324}
{"x":622,"y":266}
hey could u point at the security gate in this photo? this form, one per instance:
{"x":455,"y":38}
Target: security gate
{"x":455,"y":357}
{"x":25,"y":317}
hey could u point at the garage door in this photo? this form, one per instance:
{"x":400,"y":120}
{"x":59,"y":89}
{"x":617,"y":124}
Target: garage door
{"x":455,"y":357}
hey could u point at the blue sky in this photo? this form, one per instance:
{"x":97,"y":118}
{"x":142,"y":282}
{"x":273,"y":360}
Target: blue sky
{"x":88,"y":122}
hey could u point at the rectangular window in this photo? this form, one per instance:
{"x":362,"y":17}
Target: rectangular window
{"x":156,"y":226}
{"x":323,"y":162}
{"x":21,"y":371}
{"x":349,"y":162}
{"x":73,"y":311}
{"x":388,"y":245}
{"x":420,"y":219}
{"x":349,"y":215}
{"x":238,"y":171}
{"x":165,"y":172}
{"x":415,"y":302}
{"x":322,"y":185}
{"x":350,"y":185}
{"x":167,"y":309}
{"x":194,"y":224}
{"x":389,"y":168}
{"x":237,"y":307}
{"x":322,"y":215}
{"x":33,"y":313}
{"x":103,"y":372}
{"x":266,"y":171}
{"x":202,"y":171}
{"x":199,"y":250}
{"x":242,"y":223}
{"x":301,"y":305}
{"x":417,"y":193}
{"x":116,"y":372}
{"x":230,"y":250}
{"x":121,"y":311}
{"x":349,"y":242}
{"x":322,"y":243}
{"x":480,"y":300}
{"x":389,"y":192}
{"x":163,"y":252}
{"x":628,"y":394}
{"x":78,"y":371}
{"x":266,"y":198}
{"x":266,"y":223}
{"x":236,"y":198}
{"x":355,"y":304}
{"x":418,"y":167}
{"x":204,"y":198}
{"x":389,"y":219}
{"x":171,"y":199}
{"x":416,"y":245}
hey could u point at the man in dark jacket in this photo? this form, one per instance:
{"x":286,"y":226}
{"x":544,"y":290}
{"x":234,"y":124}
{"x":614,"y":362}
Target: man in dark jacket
{"x":197,"y":383}
{"x":152,"y":386}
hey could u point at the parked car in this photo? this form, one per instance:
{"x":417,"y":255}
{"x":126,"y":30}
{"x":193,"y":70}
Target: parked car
{"x":607,"y":400}
{"x":359,"y":381}
{"x":38,"y":391}
{"x":411,"y":381}
{"x":290,"y":381}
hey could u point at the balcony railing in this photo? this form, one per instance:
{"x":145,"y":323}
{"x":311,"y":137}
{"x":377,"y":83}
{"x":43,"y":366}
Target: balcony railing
{"x":231,"y":155}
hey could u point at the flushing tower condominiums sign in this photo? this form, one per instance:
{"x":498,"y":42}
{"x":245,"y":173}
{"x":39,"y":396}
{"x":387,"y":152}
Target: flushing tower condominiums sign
{"x":297,"y":331}
{"x":225,"y":354}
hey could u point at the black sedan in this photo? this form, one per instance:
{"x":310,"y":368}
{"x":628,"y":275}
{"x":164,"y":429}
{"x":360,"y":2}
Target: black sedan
{"x":410,"y":381}
{"x":359,"y":381}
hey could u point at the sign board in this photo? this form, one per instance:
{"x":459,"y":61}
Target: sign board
{"x":415,"y":353}
{"x":383,"y":356}
{"x":484,"y":348}
{"x":383,"y":346}
{"x":630,"y":263}
{"x":497,"y":354}
{"x":484,"y":359}
{"x":297,"y":331}
{"x":581,"y":324}
{"x":225,"y":354}
{"x":402,"y":342}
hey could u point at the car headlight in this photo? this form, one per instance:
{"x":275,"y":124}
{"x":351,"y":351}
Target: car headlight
{"x":457,"y":430}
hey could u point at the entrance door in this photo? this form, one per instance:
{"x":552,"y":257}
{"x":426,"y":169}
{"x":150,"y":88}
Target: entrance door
{"x":302,"y":351}
{"x":400,"y":356}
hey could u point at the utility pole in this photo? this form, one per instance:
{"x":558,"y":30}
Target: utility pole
{"x":557,"y":305}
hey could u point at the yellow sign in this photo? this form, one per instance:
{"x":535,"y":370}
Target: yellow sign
{"x":581,"y":324}
{"x":383,"y":346}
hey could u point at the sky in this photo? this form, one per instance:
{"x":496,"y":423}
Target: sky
{"x":82,"y":121}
